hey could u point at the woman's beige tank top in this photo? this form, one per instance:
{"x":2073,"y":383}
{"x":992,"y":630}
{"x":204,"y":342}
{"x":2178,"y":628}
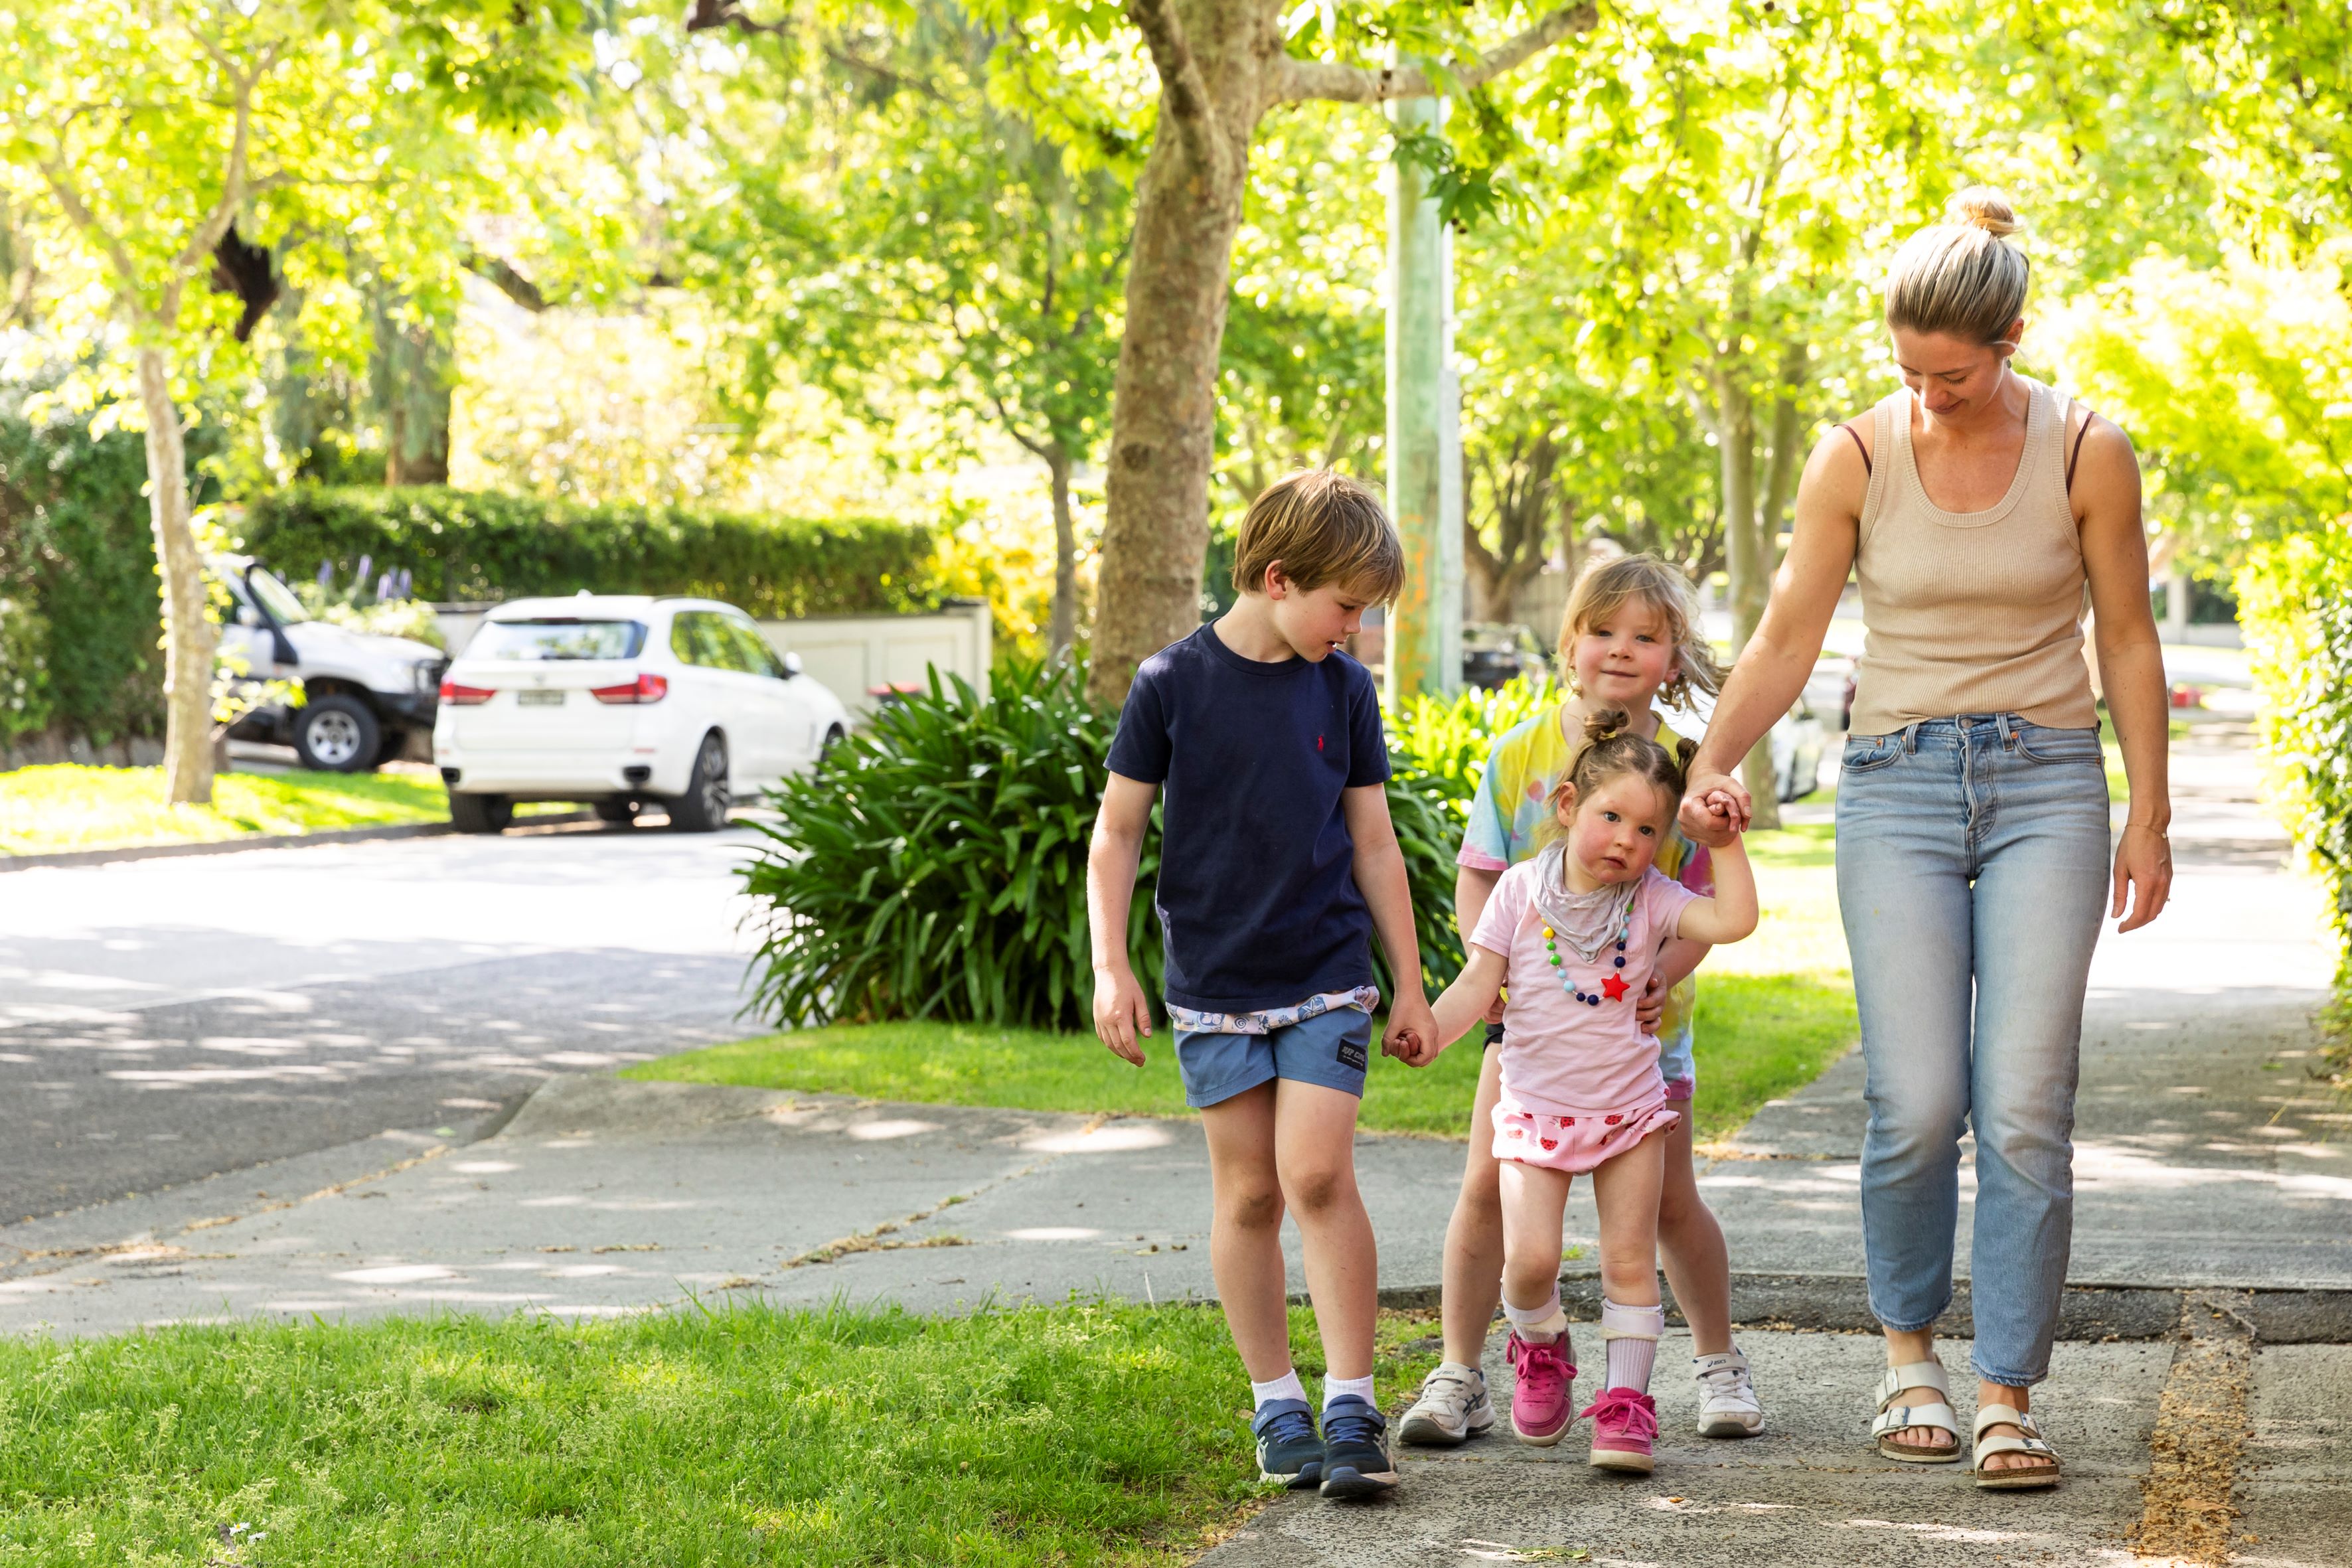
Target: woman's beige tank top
{"x":1976,"y":612}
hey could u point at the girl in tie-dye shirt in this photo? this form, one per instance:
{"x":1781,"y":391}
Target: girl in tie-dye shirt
{"x":1631,"y":637}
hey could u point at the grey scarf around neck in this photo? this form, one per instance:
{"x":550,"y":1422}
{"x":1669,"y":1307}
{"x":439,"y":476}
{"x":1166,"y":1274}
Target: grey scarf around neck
{"x":1583,"y":924}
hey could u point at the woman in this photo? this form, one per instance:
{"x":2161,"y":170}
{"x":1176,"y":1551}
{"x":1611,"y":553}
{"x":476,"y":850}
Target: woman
{"x":1973,"y":508}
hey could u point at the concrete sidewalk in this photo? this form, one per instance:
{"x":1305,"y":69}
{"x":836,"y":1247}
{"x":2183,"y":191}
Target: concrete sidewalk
{"x":2213,"y":1264}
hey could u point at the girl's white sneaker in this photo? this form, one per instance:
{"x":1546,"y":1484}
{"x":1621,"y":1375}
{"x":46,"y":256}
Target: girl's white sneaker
{"x":1452,"y":1407}
{"x":1728,"y":1406}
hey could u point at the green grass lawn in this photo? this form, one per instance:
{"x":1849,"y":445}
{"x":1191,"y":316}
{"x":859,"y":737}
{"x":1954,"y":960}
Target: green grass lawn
{"x":50,"y":810}
{"x":1773,"y":1011}
{"x":45,"y":810}
{"x":1078,"y":1433}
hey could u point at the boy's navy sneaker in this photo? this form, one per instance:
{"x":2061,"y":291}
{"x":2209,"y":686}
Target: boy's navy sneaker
{"x":1288,"y":1449}
{"x":1355,"y":1455}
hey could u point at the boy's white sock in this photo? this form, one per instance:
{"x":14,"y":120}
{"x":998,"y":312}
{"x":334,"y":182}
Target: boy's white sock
{"x":1631,"y":1335}
{"x":1342,"y":1387}
{"x":1539,"y":1325}
{"x":1286,"y":1386}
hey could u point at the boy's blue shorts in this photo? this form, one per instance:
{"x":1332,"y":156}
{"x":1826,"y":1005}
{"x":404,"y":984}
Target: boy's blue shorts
{"x":1331,"y":1048}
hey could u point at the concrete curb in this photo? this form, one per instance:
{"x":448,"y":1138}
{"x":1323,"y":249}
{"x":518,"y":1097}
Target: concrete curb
{"x":1841,"y":1304}
{"x":273,"y":841}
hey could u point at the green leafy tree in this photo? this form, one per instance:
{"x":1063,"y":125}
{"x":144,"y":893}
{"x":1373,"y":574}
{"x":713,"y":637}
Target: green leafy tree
{"x":183,"y":150}
{"x":1702,"y":225}
{"x":2236,"y":385}
{"x":963,"y":242}
{"x":1222,"y":66}
{"x":1301,"y":382}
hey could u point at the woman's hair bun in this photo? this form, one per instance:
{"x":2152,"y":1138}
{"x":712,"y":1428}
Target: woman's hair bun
{"x":1607,"y":725}
{"x":1984,"y":208}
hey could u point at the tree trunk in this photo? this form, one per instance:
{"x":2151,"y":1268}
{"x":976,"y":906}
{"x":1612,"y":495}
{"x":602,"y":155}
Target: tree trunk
{"x":1163,"y":405}
{"x":1064,"y":630}
{"x":1745,"y":551}
{"x":1787,"y":460}
{"x":188,"y":633}
{"x":412,"y":377}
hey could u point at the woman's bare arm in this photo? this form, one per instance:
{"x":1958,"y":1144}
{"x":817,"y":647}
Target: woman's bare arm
{"x":1777,"y":661}
{"x":2131,"y":664}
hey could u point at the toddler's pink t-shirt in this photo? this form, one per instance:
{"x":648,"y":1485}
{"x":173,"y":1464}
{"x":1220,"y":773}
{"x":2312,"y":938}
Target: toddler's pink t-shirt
{"x":1562,"y":1056}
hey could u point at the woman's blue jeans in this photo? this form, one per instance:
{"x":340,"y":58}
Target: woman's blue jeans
{"x":1972,"y":870}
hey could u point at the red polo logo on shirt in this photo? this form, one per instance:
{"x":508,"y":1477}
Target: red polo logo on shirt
{"x":1319,"y":742}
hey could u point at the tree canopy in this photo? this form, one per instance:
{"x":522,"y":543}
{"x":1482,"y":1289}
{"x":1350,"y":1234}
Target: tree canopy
{"x":1143,"y":248}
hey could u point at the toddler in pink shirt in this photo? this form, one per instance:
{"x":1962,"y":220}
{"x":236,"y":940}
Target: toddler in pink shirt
{"x":1574,"y":935}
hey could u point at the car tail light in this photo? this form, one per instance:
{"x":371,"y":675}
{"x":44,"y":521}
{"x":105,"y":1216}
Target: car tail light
{"x":643,"y":688}
{"x":458,"y":696}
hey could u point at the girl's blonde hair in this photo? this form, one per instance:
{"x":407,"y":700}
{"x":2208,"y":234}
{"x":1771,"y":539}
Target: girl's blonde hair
{"x":1963,"y":277}
{"x":1611,"y":751}
{"x":1609,"y":586}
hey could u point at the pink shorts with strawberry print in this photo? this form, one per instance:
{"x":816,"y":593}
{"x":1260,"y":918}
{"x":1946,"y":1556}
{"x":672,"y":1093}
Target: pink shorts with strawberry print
{"x":1575,"y":1144}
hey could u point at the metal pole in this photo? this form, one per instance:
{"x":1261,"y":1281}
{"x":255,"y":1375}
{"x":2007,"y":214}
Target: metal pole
{"x":1424,"y":436}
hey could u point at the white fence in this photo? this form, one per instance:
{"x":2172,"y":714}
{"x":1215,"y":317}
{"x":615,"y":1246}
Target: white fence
{"x":862,"y":658}
{"x":859,"y":657}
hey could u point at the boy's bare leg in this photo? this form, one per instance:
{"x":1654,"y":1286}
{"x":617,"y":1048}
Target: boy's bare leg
{"x":1245,"y":1229}
{"x":1472,"y":1270}
{"x":1315,"y":1154}
{"x":1698,"y":1264}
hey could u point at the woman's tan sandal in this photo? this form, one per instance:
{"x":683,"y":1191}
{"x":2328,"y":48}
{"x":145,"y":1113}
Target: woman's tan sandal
{"x":2042,"y":1472}
{"x":1892,"y":1417}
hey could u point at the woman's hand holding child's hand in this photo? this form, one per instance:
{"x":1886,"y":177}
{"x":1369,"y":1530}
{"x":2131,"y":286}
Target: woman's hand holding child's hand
{"x":1714,"y":806}
{"x":1122,"y":1013}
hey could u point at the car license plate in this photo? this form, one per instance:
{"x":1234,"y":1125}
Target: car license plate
{"x":539,"y":699}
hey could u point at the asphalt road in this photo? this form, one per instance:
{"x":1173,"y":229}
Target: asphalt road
{"x":163,"y":1021}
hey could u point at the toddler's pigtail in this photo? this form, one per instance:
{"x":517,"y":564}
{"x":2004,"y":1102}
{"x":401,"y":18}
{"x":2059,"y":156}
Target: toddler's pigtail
{"x":1606,"y":725}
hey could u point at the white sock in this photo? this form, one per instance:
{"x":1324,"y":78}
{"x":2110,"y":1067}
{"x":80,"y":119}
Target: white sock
{"x":1286,"y":1386}
{"x":1539,"y":1325}
{"x":1631,"y":1335}
{"x":1336,"y":1388}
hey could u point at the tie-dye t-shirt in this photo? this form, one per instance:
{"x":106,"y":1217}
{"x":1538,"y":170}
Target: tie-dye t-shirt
{"x":1508,"y":823}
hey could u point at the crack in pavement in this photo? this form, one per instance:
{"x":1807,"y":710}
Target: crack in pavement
{"x":2188,"y":1506}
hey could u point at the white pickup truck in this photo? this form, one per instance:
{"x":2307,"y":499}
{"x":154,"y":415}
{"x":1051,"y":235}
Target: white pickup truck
{"x":363,"y":694}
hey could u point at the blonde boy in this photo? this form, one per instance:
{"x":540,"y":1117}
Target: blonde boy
{"x":1277,"y":861}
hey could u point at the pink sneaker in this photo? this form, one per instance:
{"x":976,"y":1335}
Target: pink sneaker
{"x":1542,"y":1379}
{"x":1624,"y":1422}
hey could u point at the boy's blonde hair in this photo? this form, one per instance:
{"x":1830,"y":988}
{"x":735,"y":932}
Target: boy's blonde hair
{"x":1323,"y":528}
{"x":1609,"y":587}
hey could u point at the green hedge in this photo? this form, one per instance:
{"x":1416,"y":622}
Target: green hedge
{"x":935,"y":865}
{"x":78,"y":566}
{"x":2295,"y":600}
{"x":472,"y":546}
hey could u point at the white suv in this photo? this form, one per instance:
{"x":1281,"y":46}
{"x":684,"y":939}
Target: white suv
{"x":620,"y":701}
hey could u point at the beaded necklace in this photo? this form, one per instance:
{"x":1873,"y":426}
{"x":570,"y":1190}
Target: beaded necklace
{"x":1612,"y":985}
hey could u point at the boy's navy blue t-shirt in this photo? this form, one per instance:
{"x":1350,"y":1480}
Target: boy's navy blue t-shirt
{"x":1257,"y":896}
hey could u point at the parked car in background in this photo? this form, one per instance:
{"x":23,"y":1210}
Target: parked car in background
{"x":622,"y":701}
{"x":1797,"y":742}
{"x":1831,"y":691}
{"x":1493,"y":653}
{"x":1800,"y":737}
{"x":362,"y":693}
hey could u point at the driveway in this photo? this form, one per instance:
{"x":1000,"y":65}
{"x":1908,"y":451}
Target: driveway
{"x":163,"y":1021}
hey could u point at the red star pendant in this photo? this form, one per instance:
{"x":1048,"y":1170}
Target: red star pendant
{"x":1614,"y":987}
